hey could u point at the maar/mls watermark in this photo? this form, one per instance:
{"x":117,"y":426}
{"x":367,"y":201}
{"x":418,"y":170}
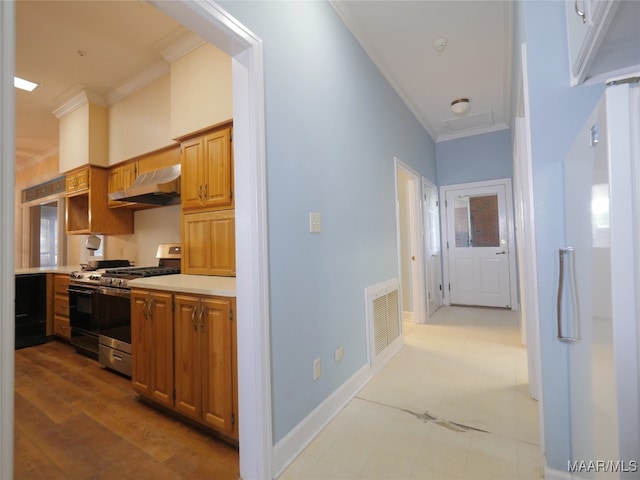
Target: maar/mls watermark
{"x":602,"y":466}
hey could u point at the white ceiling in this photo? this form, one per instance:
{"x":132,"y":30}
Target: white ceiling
{"x":103,"y":46}
{"x":399,"y":36}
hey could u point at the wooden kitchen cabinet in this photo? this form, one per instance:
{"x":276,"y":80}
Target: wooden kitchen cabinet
{"x":152,"y":345}
{"x":87,"y":209}
{"x":207,"y":170}
{"x":61,"y":327}
{"x":209,"y":241}
{"x":121,"y":177}
{"x":204,"y":346}
{"x":78,"y":180}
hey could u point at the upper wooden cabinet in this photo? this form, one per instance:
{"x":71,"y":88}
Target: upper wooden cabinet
{"x":120,"y":178}
{"x":209,"y":243}
{"x":87,"y":209}
{"x":207,"y":170}
{"x":78,"y":180}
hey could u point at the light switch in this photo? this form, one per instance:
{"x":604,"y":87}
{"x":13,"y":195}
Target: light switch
{"x":315,"y":222}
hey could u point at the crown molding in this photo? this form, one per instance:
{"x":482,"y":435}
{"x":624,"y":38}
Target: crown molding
{"x":77,"y":100}
{"x":36,"y":159}
{"x":181,"y":47}
{"x":471,"y":132}
{"x":150,"y":75}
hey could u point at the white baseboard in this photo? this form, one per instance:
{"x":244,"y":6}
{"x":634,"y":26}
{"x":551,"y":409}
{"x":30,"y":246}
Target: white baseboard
{"x":292,"y":445}
{"x":552,"y":474}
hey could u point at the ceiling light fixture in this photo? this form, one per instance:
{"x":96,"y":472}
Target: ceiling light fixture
{"x":23,"y":84}
{"x":460,"y":105}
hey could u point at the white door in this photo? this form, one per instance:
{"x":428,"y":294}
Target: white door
{"x":597,"y":301}
{"x":478,"y":247}
{"x":432,"y":257}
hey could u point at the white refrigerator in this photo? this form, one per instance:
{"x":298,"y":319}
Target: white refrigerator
{"x":598,"y":288}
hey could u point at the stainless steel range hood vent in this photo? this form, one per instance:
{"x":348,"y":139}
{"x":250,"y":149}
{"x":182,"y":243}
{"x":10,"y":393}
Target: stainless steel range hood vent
{"x":157,"y":187}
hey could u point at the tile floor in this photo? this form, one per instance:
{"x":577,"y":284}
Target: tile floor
{"x":453,"y":404}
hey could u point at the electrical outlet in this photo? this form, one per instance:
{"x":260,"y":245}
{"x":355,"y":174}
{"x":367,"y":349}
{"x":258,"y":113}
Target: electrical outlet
{"x":316,"y":369}
{"x":339,"y":354}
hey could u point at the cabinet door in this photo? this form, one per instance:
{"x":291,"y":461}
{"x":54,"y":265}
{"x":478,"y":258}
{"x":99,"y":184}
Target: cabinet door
{"x":209,"y":243}
{"x":162,"y":347}
{"x":141,"y":348}
{"x":78,"y":180}
{"x":152,"y":345}
{"x":192,"y":173}
{"x":217,"y":392}
{"x":218,"y":168}
{"x":121,"y":178}
{"x":187,"y":353}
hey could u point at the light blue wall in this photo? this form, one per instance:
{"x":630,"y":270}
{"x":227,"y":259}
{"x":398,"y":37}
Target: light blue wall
{"x":557,"y":112}
{"x":333,"y":126}
{"x":473,"y":159}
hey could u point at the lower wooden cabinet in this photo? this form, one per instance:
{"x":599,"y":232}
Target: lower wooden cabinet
{"x":189,"y":366}
{"x":152,"y":345}
{"x":204,"y":360}
{"x":61,"y":327}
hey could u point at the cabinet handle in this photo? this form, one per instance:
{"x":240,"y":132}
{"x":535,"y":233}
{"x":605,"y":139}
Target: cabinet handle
{"x":193,"y":320}
{"x":206,"y":192}
{"x":200,"y":193}
{"x":582,"y":14}
{"x":202,"y":319}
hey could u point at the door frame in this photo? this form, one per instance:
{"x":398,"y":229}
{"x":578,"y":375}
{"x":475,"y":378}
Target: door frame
{"x":506,"y":183}
{"x":416,"y":233}
{"x":219,"y":28}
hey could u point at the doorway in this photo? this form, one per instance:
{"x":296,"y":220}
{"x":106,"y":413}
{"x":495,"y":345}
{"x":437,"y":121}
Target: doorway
{"x":432,"y":246}
{"x":410,"y":244}
{"x":480,"y":246}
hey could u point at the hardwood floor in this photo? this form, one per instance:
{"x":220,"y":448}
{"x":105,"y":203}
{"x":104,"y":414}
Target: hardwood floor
{"x":76,"y":420}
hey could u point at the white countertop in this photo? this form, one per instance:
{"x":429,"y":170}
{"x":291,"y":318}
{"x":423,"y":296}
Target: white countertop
{"x":198,"y":284}
{"x":59,"y":269}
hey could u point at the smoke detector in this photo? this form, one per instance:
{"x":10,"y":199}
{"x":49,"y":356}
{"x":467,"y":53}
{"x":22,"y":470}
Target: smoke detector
{"x":439,"y":44}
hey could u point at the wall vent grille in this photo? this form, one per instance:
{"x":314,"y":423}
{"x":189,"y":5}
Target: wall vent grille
{"x":383,"y":313}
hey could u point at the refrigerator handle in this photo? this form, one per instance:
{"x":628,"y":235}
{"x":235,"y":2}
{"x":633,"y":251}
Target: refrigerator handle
{"x":567,"y":305}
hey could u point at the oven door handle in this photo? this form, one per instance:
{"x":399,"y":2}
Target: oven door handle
{"x":82,"y":291}
{"x":115,"y":292}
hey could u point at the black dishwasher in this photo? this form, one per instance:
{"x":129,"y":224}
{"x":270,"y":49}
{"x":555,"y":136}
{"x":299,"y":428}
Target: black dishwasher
{"x":31,"y":309}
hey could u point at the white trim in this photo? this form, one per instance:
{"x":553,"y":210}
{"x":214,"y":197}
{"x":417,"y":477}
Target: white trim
{"x":534,"y":342}
{"x":294,"y":442}
{"x":417,"y":242}
{"x":7,"y":209}
{"x":470,"y":132}
{"x":506,"y":183}
{"x":292,"y":445}
{"x":552,"y":474}
{"x":216,"y":26}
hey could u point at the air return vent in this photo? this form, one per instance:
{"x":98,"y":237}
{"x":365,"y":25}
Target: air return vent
{"x":383,"y":317}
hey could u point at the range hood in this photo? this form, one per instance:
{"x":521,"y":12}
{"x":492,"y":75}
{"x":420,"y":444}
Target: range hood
{"x":157,"y":187}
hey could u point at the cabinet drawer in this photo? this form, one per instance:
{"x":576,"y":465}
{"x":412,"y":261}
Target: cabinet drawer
{"x":61,"y":327}
{"x":61,"y":283}
{"x":61,"y":305}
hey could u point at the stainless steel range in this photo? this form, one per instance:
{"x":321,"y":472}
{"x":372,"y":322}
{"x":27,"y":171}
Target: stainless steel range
{"x":100,"y":307}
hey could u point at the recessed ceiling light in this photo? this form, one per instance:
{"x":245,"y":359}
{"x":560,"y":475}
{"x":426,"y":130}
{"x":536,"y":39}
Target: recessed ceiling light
{"x":23,"y":84}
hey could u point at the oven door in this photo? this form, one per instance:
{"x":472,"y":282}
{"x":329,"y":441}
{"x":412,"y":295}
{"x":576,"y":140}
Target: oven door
{"x":83,"y":319}
{"x":114,"y":318}
{"x":114,"y":313}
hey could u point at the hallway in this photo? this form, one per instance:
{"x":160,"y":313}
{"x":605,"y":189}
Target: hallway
{"x":453,"y":404}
